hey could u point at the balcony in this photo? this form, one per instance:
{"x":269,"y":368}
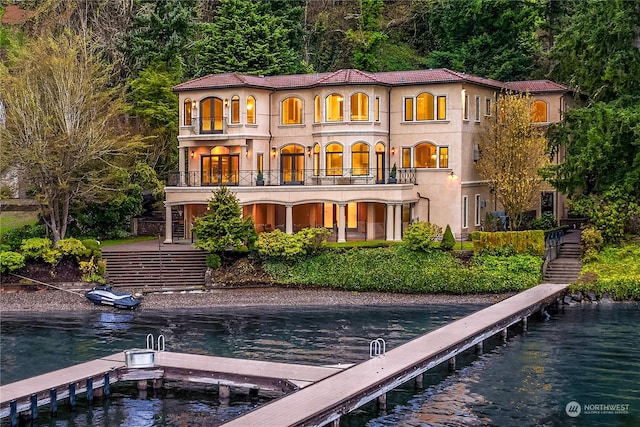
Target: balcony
{"x":307,"y":177}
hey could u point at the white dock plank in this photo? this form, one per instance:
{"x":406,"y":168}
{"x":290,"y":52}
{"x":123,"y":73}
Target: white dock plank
{"x":294,"y":409}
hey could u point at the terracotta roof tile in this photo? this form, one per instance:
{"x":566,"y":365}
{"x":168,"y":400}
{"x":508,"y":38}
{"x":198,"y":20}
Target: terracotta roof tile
{"x":536,"y":86}
{"x":352,"y":76}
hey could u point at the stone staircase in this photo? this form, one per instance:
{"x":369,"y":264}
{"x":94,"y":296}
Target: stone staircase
{"x":566,"y":267}
{"x":156,"y":269}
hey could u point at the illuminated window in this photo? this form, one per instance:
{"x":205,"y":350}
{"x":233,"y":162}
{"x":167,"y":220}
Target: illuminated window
{"x":328,"y":215}
{"x":334,"y":108}
{"x":235,"y":109}
{"x":334,"y":159}
{"x":316,"y":159}
{"x":317,"y":114}
{"x":376,"y":111}
{"x":292,"y":111}
{"x":425,"y":107}
{"x":260,"y":162}
{"x":251,"y":110}
{"x":408,"y":109}
{"x":359,"y":107}
{"x":425,"y":156}
{"x":539,"y":112}
{"x":444,"y":157}
{"x":211,"y":115}
{"x":406,"y":157}
{"x":186,"y":112}
{"x":352,"y":215}
{"x":360,"y":159}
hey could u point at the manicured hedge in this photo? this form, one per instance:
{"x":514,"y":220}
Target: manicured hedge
{"x":523,"y":242}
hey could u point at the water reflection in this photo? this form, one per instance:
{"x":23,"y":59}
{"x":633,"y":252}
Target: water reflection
{"x":588,"y":354}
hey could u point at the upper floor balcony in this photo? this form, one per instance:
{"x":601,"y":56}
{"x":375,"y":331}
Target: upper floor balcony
{"x":294,"y":177}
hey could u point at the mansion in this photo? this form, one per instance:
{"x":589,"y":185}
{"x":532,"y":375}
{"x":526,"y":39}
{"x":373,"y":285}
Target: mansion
{"x":363,"y":154}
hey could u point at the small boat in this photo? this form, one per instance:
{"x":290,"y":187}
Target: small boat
{"x":104,"y":295}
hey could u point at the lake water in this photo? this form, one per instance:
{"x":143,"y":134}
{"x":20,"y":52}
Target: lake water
{"x":585,"y":354}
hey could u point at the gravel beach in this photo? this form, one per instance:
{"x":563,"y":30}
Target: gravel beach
{"x":55,"y":300}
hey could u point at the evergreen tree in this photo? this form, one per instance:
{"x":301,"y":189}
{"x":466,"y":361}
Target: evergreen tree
{"x":224,"y":227}
{"x":489,"y":38}
{"x":245,"y":39}
{"x":448,"y":241}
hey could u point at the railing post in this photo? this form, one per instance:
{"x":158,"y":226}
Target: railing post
{"x":53,"y":397}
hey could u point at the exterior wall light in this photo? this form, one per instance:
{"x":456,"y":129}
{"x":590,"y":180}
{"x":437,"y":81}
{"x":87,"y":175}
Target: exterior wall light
{"x":308,"y":151}
{"x":273,"y":151}
{"x":192,"y":154}
{"x":393,"y":151}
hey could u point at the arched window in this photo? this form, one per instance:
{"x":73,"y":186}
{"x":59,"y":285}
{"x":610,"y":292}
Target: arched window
{"x":235,"y":109}
{"x":380,"y":162}
{"x":424,"y":156}
{"x":424,"y":107}
{"x":334,"y":108}
{"x":292,"y":111}
{"x":539,"y":112}
{"x":360,"y":159}
{"x":334,"y":159}
{"x":221,"y":166}
{"x":211,"y":115}
{"x":317,"y":114}
{"x":186,"y":112}
{"x":251,"y":110}
{"x":359,"y":106}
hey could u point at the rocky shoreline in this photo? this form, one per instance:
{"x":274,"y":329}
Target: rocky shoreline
{"x":46,"y":300}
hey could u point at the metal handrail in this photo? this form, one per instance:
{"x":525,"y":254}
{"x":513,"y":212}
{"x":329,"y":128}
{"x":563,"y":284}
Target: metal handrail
{"x":318,"y":177}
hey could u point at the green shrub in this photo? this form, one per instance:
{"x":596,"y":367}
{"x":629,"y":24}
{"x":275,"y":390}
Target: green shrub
{"x":314,"y":240}
{"x":35,"y":247}
{"x":213,"y":261}
{"x":592,"y":243}
{"x":15,"y":236}
{"x":51,"y":256}
{"x":280,"y":245}
{"x":448,"y":241}
{"x":546,"y":221}
{"x":71,"y":247}
{"x":421,"y":235}
{"x":92,"y":248}
{"x":93,"y":270}
{"x":400,"y":269}
{"x":11,"y":261}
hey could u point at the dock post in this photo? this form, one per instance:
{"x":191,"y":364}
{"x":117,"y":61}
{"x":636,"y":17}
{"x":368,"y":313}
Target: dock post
{"x":34,"y":407}
{"x":452,"y":364}
{"x":142,"y":385}
{"x":90,"y":390}
{"x":419,"y":381}
{"x":157,"y":383}
{"x":504,"y":335}
{"x":525,"y":322}
{"x":335,"y":423}
{"x":224,"y":393}
{"x":72,"y":395}
{"x":479,"y":347}
{"x":382,"y":402}
{"x":107,"y":385}
{"x":14,"y":413}
{"x":53,"y":397}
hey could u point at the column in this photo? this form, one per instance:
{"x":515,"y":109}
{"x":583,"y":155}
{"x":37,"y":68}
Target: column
{"x":289,"y":219}
{"x":397,"y":234}
{"x":389,"y":226}
{"x":342,"y":222}
{"x":167,"y":224}
{"x":371,"y":221}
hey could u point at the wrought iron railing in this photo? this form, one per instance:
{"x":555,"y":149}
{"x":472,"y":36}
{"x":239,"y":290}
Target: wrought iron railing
{"x":252,"y":178}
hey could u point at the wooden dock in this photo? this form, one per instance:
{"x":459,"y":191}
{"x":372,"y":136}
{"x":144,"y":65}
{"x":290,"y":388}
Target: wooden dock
{"x":90,"y":378}
{"x":325,"y":401}
{"x":315,"y":395}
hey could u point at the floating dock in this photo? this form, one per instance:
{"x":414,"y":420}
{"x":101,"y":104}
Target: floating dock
{"x":314,"y":395}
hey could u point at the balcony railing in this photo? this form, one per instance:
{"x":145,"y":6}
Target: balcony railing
{"x":244,"y":178}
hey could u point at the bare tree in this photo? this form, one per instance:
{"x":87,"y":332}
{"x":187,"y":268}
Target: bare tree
{"x":512,"y":152}
{"x":63,"y":131}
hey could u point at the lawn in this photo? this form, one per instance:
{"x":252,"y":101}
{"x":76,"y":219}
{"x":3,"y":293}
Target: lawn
{"x":16,"y":219}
